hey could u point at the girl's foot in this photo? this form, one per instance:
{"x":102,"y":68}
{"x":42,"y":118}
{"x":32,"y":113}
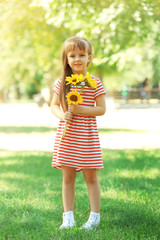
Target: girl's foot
{"x":68,"y":220}
{"x":93,"y":221}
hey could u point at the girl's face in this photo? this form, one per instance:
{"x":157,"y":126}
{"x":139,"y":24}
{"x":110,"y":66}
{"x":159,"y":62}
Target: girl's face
{"x":78,"y":60}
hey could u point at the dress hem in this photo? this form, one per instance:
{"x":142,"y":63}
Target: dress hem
{"x":77,"y":169}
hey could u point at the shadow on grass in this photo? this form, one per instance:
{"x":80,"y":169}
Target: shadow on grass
{"x":26,"y":129}
{"x":130,"y":192}
{"x":31,"y":197}
{"x":132,"y":169}
{"x":135,"y":219}
{"x":131,"y":158}
{"x":43,"y":129}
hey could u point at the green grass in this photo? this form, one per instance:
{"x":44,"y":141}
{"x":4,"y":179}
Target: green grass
{"x":43,"y":129}
{"x":31,"y":205}
{"x":26,"y":129}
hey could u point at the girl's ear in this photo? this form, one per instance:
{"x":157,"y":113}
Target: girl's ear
{"x":89,"y":58}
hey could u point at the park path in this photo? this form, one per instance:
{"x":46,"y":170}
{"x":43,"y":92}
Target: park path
{"x":128,"y":128}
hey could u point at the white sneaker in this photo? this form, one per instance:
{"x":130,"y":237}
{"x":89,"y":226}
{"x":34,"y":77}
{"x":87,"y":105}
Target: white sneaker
{"x":93,"y":221}
{"x":68,"y":220}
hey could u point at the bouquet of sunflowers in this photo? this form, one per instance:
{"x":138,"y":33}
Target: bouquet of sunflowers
{"x":74,"y":97}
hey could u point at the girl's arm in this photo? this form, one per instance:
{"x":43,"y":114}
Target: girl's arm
{"x":56,"y":110}
{"x":98,"y":110}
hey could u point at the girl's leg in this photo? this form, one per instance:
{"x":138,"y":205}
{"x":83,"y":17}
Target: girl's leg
{"x":90,"y":176}
{"x":69,"y":176}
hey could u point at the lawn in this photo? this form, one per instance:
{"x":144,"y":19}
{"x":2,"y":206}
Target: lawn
{"x":44,"y":129}
{"x":31,"y":205}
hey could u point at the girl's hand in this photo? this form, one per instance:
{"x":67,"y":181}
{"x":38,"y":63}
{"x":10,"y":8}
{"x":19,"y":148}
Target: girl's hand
{"x":72,"y":108}
{"x":67,"y":116}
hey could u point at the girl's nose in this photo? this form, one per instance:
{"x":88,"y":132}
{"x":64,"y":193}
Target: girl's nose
{"x":77,"y":58}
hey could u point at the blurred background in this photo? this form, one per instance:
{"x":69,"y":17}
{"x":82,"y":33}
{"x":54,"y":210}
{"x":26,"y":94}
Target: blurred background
{"x":125,"y":35}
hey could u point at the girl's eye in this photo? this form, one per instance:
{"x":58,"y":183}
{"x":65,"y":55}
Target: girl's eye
{"x":82,"y":55}
{"x":72,"y":56}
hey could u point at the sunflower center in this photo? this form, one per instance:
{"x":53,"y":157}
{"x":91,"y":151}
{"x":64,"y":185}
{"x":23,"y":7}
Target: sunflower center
{"x":74,"y":80}
{"x":74,"y":98}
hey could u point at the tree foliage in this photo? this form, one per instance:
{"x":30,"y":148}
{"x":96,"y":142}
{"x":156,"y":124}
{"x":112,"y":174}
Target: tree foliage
{"x":125,"y":35}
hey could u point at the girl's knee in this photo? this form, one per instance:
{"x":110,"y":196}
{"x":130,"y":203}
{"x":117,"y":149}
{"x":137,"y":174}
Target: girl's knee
{"x":68,"y":179}
{"x":90,"y":179}
{"x":69,"y":175}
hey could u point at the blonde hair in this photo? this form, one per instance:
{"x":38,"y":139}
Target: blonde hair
{"x":69,"y":45}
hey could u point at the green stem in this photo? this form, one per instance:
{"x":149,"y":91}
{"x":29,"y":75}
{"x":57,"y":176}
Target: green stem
{"x":64,"y":132}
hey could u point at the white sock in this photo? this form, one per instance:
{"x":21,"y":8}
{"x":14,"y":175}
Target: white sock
{"x":69,"y":215}
{"x":95,"y":213}
{"x":94,"y":217}
{"x":93,"y":221}
{"x":68,"y":220}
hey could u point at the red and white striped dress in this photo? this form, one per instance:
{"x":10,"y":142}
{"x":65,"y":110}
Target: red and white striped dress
{"x":81,"y":147}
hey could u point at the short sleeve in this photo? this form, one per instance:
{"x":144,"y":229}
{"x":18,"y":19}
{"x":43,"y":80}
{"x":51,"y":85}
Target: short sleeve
{"x":100,"y":89}
{"x":57,"y":85}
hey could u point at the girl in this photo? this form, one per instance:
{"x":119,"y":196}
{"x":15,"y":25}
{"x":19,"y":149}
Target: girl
{"x":80,"y":149}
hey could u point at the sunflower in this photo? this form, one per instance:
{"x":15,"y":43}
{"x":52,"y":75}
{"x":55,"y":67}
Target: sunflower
{"x":91,"y":81}
{"x":74,"y":79}
{"x":74,"y":98}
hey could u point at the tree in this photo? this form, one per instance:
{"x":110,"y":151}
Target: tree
{"x":124,"y":33}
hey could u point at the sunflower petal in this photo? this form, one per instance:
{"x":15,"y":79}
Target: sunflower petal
{"x":74,"y":98}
